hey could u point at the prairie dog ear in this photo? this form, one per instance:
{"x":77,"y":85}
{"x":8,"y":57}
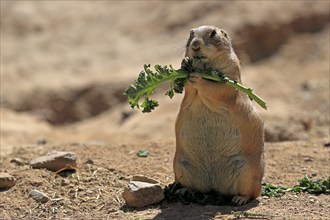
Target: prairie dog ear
{"x":224,"y":34}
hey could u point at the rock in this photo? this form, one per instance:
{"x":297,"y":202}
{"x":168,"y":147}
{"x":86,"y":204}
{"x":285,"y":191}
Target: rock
{"x":39,"y":196}
{"x":17,"y":161}
{"x":36,"y":183}
{"x":55,"y":161}
{"x":65,"y":182}
{"x":7,"y":180}
{"x":142,"y":178}
{"x":308,"y":159}
{"x":139,"y":194}
{"x":41,"y":141}
{"x":89,"y":161}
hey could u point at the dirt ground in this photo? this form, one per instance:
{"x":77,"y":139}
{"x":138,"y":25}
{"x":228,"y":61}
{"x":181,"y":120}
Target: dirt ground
{"x":94,"y":192}
{"x":65,"y":65}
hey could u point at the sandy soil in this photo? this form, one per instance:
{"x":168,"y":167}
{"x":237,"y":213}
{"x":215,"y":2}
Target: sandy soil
{"x":64,"y":67}
{"x":95,"y":191}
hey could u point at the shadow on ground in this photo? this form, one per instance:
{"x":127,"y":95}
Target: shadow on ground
{"x":192,"y":211}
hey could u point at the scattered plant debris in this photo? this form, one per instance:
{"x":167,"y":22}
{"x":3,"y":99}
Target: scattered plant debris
{"x":305,"y":185}
{"x":243,"y":214}
{"x":174,"y":192}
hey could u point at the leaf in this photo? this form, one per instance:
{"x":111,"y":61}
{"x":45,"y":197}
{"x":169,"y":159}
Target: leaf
{"x":148,"y":81}
{"x":149,"y":105}
{"x":178,"y":85}
{"x":170,"y":91}
{"x":272,"y":190}
{"x":142,"y":153}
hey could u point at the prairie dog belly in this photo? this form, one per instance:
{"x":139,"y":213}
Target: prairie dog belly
{"x":210,"y":157}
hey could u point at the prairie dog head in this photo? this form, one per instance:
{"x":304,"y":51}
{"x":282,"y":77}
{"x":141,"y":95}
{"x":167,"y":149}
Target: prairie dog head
{"x":211,"y":47}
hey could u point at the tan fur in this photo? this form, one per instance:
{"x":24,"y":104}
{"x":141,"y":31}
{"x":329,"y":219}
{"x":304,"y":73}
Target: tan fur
{"x":219,"y":134}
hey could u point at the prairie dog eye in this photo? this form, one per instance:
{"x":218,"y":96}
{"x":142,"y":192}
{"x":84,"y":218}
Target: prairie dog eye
{"x":213,"y":33}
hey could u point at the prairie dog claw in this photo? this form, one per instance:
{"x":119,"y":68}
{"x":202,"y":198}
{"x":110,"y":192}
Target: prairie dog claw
{"x":240,"y":200}
{"x":186,"y":64}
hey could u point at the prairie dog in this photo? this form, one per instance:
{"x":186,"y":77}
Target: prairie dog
{"x":219,"y":133}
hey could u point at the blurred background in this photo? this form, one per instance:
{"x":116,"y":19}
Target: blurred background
{"x":66,"y":64}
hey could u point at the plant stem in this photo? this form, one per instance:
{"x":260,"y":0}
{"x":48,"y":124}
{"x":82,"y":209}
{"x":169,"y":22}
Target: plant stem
{"x":227,"y":81}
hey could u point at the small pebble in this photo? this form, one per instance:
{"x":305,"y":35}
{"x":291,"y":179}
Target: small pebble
{"x":41,"y":141}
{"x":89,"y":192}
{"x":36,"y":183}
{"x":7,"y":181}
{"x":79,"y":189}
{"x":17,"y":161}
{"x":65,"y":182}
{"x":308,"y":159}
{"x":312,"y":197}
{"x":326,"y":144}
{"x":39,"y":196}
{"x":89,"y":161}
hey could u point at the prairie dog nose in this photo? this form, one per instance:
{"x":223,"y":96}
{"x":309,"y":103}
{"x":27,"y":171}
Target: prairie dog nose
{"x":196,"y":44}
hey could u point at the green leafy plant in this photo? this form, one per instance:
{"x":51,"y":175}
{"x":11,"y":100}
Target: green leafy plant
{"x":305,"y":185}
{"x":312,"y":186}
{"x":271,"y":190}
{"x":149,"y":80}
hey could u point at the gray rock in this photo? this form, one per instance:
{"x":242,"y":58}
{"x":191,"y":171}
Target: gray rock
{"x":7,"y":180}
{"x":39,"y":196}
{"x":41,"y":141}
{"x":139,"y":194}
{"x":55,"y":161}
